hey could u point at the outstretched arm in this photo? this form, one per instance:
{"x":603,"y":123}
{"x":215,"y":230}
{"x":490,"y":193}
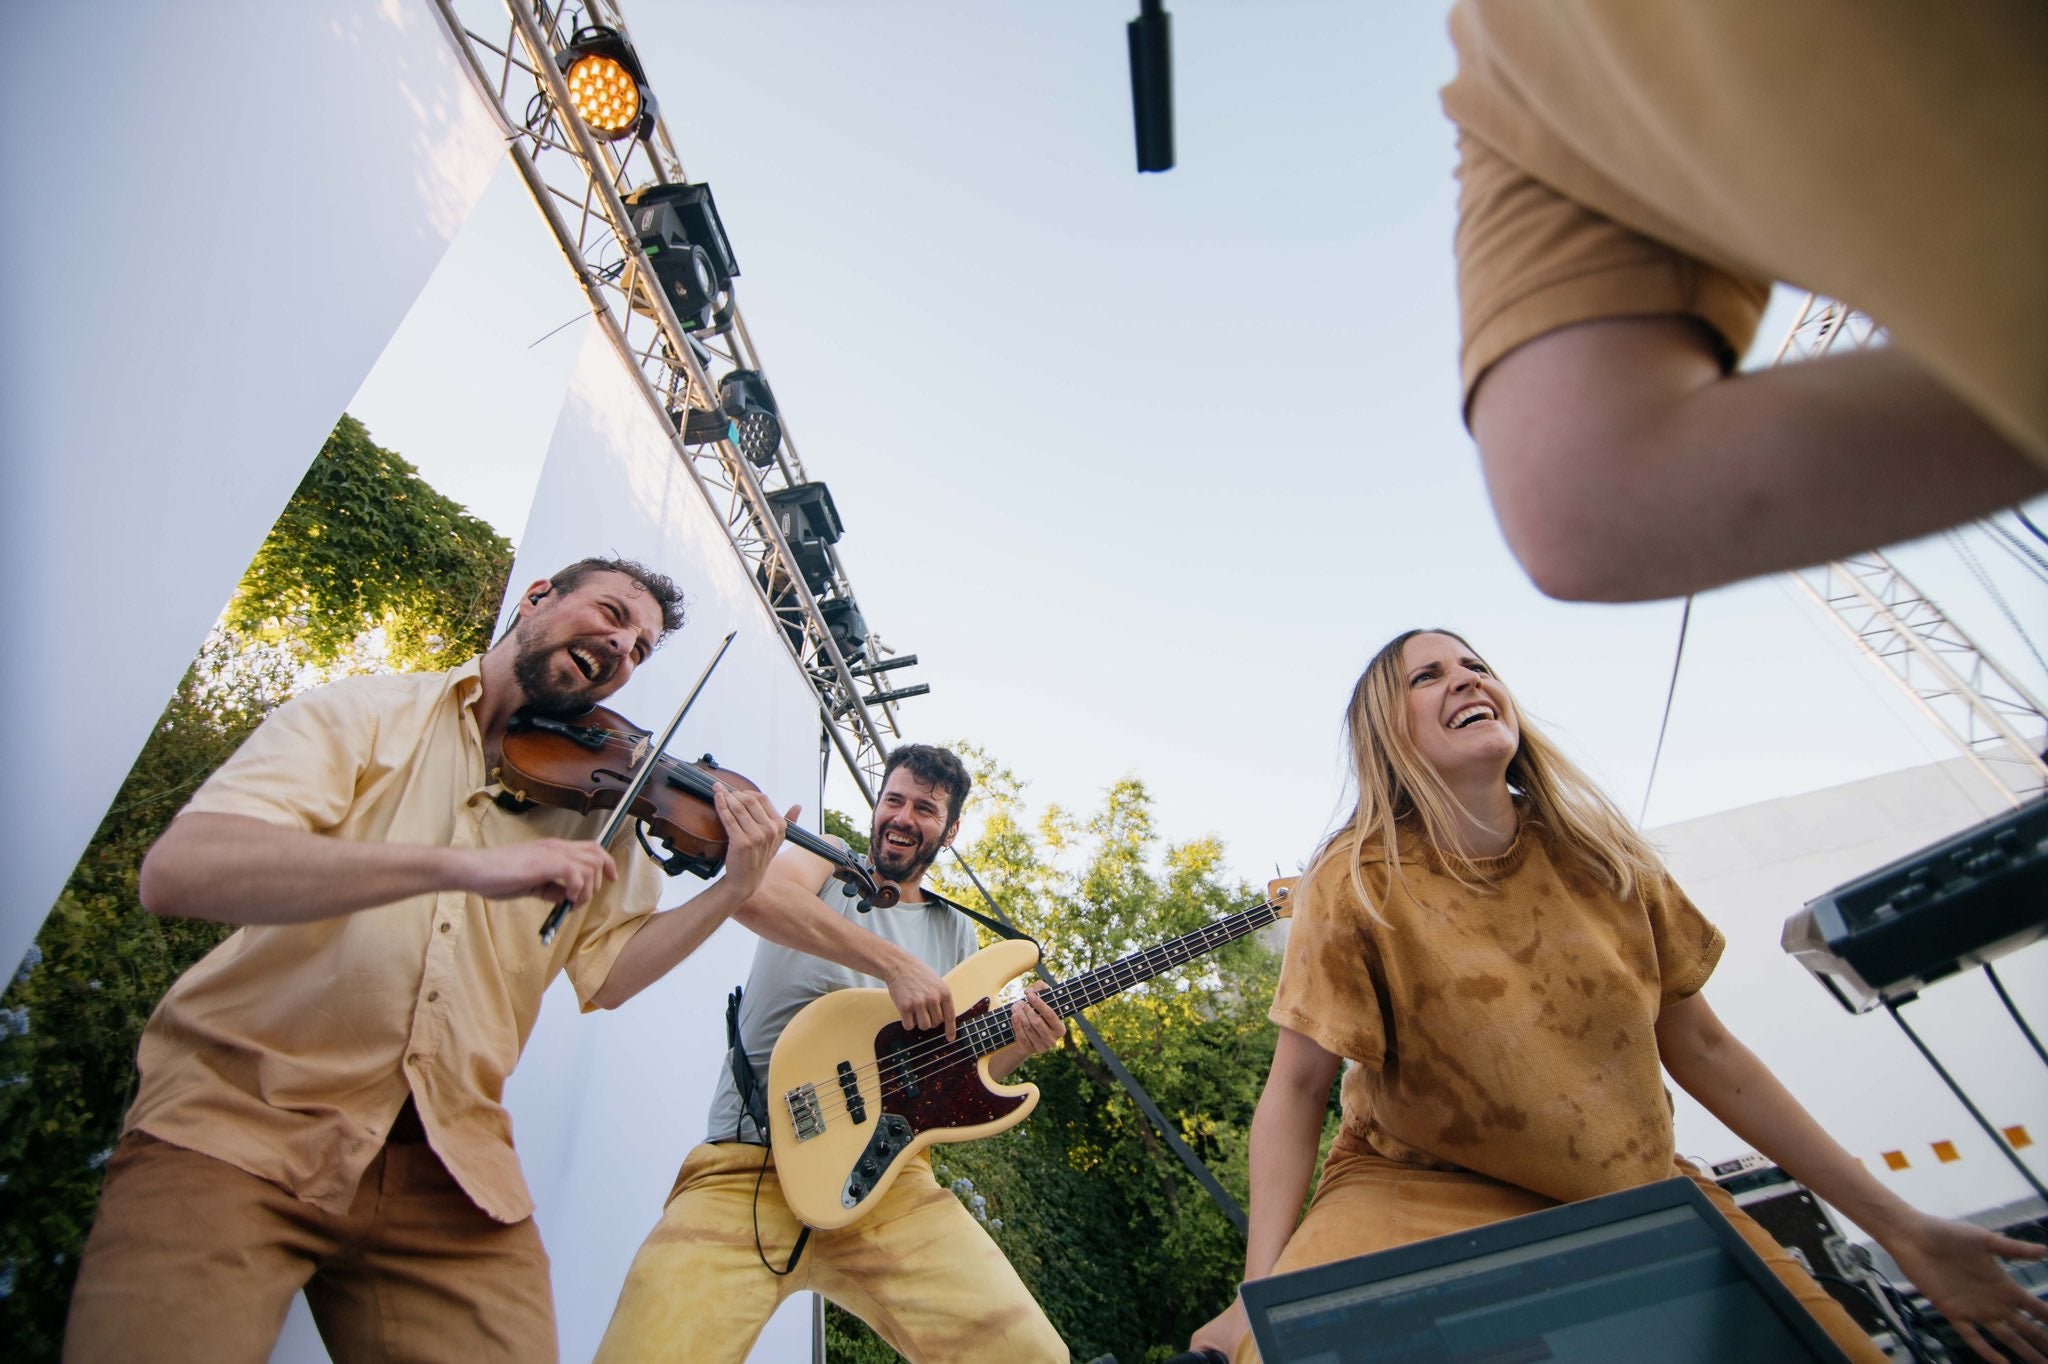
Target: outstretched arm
{"x":1624,"y":466}
{"x":753,"y":831}
{"x":786,"y":910}
{"x":1953,"y":1263}
{"x":1287,"y":1128}
{"x":236,"y":869}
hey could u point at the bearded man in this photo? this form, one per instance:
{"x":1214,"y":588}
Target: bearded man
{"x":319,"y":1105}
{"x":917,"y":1269}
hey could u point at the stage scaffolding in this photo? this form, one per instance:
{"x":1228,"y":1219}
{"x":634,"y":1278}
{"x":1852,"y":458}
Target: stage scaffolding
{"x":507,"y":49}
{"x":1995,"y":722}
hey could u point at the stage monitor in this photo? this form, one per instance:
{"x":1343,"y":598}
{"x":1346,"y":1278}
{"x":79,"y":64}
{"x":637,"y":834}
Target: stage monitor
{"x":1648,"y":1276}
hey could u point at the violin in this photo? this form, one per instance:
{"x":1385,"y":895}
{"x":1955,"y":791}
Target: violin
{"x":587,"y":763}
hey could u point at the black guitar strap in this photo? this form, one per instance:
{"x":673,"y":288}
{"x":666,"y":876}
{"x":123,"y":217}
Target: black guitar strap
{"x":1194,"y":1163}
{"x":996,"y":926}
{"x":754,"y":1109}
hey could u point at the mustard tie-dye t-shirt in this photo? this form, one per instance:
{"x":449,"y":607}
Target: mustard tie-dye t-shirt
{"x":1507,"y":1029}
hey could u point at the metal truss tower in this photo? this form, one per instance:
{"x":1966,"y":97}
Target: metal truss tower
{"x":1982,"y":708}
{"x":507,"y":48}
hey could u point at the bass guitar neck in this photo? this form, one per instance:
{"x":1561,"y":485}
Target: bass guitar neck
{"x":855,"y":1094}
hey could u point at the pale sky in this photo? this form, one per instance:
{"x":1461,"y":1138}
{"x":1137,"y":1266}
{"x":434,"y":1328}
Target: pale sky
{"x":1144,"y":468}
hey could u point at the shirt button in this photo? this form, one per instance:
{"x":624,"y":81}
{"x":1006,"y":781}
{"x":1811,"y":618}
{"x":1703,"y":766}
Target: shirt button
{"x":433,"y":995}
{"x":444,"y":928}
{"x":413,"y":1059}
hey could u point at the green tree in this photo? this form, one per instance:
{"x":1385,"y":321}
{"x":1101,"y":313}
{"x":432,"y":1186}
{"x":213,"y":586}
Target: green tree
{"x":70,"y":1019}
{"x":839,"y":826}
{"x":1123,"y":1249}
{"x":366,"y":544}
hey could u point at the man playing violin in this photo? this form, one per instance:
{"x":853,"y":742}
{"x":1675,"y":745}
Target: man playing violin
{"x":917,"y":1269}
{"x":319,"y":1101}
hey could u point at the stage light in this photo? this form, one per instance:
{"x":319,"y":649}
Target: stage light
{"x":809,"y":522}
{"x":849,"y":631}
{"x":607,"y":88}
{"x":746,"y":396}
{"x":700,"y":427}
{"x":678,"y":227}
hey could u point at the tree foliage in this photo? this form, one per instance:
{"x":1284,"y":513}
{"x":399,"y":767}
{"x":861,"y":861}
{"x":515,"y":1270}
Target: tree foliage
{"x":366,"y":544}
{"x":71,"y":1017}
{"x":1123,"y":1249}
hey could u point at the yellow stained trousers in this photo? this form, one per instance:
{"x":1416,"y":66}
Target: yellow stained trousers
{"x":918,"y":1269}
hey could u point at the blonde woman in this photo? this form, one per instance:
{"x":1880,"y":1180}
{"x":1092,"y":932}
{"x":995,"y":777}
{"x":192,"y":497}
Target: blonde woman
{"x":1510,"y":970}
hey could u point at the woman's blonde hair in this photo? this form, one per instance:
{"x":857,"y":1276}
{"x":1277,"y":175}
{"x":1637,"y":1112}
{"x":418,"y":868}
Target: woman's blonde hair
{"x":1397,"y":787}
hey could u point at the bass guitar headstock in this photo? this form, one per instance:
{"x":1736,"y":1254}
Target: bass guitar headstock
{"x":1280,"y":895}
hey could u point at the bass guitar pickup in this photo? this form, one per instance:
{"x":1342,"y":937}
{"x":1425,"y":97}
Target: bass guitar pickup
{"x":849,"y":1085}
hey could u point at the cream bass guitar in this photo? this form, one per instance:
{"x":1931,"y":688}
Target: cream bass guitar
{"x":853,"y":1093}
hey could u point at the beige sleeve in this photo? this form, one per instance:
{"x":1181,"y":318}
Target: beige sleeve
{"x":1326,"y":990}
{"x":301,"y":766}
{"x":621,"y":910}
{"x":1688,"y":946}
{"x":1531,"y":261}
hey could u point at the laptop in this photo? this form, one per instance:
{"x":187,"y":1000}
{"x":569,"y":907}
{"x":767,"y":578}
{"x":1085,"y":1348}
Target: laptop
{"x":1651,"y":1275}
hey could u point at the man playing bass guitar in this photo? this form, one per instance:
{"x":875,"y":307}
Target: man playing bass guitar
{"x":919,"y":1270}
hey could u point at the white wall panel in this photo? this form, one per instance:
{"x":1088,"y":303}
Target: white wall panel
{"x":606,"y":1105}
{"x":602,"y":1163}
{"x":214,"y":217}
{"x":1750,"y":869}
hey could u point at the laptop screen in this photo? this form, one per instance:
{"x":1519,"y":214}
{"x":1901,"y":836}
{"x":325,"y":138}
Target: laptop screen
{"x":1645,"y":1280}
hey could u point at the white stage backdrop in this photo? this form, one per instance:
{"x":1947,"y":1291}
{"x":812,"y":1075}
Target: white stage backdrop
{"x":605,"y":1105}
{"x":1750,"y":869}
{"x":215,"y":216}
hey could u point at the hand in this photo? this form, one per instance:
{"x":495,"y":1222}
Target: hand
{"x":1956,"y":1266}
{"x":1223,"y":1332}
{"x":924,"y":1001}
{"x":553,"y":869}
{"x":1033,"y":1022}
{"x":753,"y":834}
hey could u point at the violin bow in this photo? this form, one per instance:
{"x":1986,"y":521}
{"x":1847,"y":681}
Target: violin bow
{"x":621,"y":812}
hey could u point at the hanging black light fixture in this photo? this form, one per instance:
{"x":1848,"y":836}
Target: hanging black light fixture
{"x":809,"y":522}
{"x":607,"y":88}
{"x":679,"y":229}
{"x":745,"y":396}
{"x":849,"y":631}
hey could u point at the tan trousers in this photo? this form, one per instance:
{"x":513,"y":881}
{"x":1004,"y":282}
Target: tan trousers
{"x":917,"y":1269}
{"x":1365,"y":1202}
{"x":192,"y":1259}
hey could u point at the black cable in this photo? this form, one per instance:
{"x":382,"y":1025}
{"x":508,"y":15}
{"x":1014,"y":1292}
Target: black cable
{"x":1670,"y":695}
{"x":1906,"y":1336}
{"x":1956,"y":1089}
{"x":2024,"y":554}
{"x":2039,"y":534}
{"x":2013,"y":1009}
{"x":760,"y":1178}
{"x":1196,"y":1166}
{"x":1970,"y":561}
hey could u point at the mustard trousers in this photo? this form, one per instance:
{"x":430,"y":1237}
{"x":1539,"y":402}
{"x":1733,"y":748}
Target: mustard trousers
{"x":918,"y":1269}
{"x":193,"y":1261}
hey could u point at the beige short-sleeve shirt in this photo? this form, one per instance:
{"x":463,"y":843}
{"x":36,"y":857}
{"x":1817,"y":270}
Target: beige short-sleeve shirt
{"x":289,"y":1049}
{"x":1507,"y":1030}
{"x":1635,"y":157}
